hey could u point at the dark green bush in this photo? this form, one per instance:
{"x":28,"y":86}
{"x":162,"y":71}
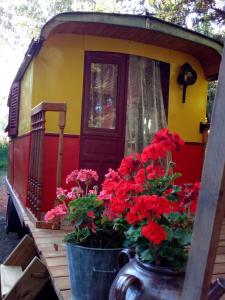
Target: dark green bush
{"x":3,"y":155}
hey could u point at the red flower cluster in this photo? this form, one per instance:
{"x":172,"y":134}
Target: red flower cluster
{"x":189,"y":197}
{"x":154,"y":232}
{"x":162,"y":143}
{"x":168,"y":141}
{"x":129,"y":165}
{"x":128,"y":192}
{"x":147,"y":207}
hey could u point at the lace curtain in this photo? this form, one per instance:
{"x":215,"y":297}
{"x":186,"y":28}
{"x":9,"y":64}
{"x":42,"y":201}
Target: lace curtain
{"x":145,"y":107}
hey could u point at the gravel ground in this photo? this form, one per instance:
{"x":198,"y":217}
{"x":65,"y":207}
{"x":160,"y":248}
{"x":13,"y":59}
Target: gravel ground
{"x":10,"y":240}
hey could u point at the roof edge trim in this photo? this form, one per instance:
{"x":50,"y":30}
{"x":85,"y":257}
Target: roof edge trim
{"x":135,"y":21}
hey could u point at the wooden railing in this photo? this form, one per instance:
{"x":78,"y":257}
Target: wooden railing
{"x":35,"y":178}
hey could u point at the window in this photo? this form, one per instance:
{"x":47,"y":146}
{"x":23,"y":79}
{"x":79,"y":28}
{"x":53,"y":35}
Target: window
{"x":146,"y":110}
{"x":103,"y":95}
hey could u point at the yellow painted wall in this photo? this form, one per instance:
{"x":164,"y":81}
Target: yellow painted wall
{"x":58,"y":77}
{"x":26,"y":101}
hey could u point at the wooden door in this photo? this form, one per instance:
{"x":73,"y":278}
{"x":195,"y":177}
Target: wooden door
{"x":103,"y":112}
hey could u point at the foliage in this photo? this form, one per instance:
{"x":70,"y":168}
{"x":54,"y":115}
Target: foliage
{"x":139,"y":206}
{"x":157,"y":214}
{"x":199,"y":12}
{"x":208,"y":11}
{"x":85,"y":212}
{"x":174,"y":11}
{"x":211,"y":97}
{"x":3,"y":155}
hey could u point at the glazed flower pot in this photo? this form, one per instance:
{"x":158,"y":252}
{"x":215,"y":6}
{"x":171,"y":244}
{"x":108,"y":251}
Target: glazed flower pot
{"x":92,"y":271}
{"x":139,"y":281}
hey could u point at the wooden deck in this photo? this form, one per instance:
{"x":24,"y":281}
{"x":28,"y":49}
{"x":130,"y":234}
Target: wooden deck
{"x":52,"y":251}
{"x":219,"y":266}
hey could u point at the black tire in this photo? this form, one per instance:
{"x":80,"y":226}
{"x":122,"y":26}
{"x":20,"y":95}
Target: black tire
{"x":13,"y":223}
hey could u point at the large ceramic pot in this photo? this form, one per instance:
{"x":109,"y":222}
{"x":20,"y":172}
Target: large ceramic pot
{"x":92,"y":271}
{"x":139,"y":281}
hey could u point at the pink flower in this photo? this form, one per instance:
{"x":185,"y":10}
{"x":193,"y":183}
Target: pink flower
{"x":72,"y":176}
{"x":86,"y":175}
{"x":57,"y":212}
{"x":92,"y":192}
{"x":75,"y":193}
{"x":104,"y":195}
{"x":49,"y":216}
{"x":60,"y":210}
{"x":112,"y":174}
{"x":91,"y":214}
{"x":93,"y":227}
{"x":60,"y":193}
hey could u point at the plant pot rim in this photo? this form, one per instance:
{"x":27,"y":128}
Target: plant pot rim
{"x":92,"y":248}
{"x":158,"y":269}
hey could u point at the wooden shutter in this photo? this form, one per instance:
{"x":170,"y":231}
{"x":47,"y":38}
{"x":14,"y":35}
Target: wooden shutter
{"x":13,"y":103}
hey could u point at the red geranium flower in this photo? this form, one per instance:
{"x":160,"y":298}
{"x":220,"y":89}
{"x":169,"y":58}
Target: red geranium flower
{"x":154,"y":232}
{"x":167,"y":140}
{"x":140,"y":176}
{"x":128,"y":166}
{"x":153,"y":152}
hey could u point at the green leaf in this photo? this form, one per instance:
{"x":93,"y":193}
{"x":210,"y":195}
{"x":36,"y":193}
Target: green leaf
{"x":174,"y":217}
{"x":175,"y":176}
{"x":186,"y":239}
{"x":77,"y":236}
{"x":146,"y":256}
{"x":183,"y":237}
{"x":169,"y":232}
{"x":177,"y":218}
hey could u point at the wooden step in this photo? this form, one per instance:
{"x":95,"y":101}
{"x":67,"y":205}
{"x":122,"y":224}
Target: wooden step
{"x":9,"y":276}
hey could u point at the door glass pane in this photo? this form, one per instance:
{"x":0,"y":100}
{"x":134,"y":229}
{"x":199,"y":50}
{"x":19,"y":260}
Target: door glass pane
{"x":103,"y":94}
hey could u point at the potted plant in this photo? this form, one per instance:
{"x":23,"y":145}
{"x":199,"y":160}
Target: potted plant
{"x":158,"y":215}
{"x":139,"y":208}
{"x":92,"y":243}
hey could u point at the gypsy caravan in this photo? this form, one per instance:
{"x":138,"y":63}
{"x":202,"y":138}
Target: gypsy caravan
{"x":95,"y":87}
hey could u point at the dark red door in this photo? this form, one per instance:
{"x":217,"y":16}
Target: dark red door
{"x":103,"y":113}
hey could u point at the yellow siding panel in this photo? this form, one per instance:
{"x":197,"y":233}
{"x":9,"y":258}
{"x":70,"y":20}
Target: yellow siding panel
{"x":58,"y":77}
{"x":26,"y":101}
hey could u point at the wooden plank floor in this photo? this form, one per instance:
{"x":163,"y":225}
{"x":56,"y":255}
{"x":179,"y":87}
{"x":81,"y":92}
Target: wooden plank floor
{"x":53,"y":253}
{"x":219,"y":266}
{"x":52,"y":250}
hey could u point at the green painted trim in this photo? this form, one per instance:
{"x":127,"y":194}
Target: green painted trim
{"x":134,"y":21}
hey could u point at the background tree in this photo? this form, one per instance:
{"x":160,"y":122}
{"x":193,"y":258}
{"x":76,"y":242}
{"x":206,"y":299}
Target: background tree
{"x":204,"y":16}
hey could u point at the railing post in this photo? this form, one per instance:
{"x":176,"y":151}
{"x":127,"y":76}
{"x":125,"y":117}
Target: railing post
{"x":62,"y":121}
{"x":35,"y":178}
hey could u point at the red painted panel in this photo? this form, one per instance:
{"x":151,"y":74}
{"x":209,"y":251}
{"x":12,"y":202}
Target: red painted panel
{"x":21,"y":166}
{"x":189,"y":162}
{"x":71,"y":149}
{"x":10,"y":174}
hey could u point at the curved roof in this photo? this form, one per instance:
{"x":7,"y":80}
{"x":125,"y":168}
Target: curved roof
{"x":145,"y":29}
